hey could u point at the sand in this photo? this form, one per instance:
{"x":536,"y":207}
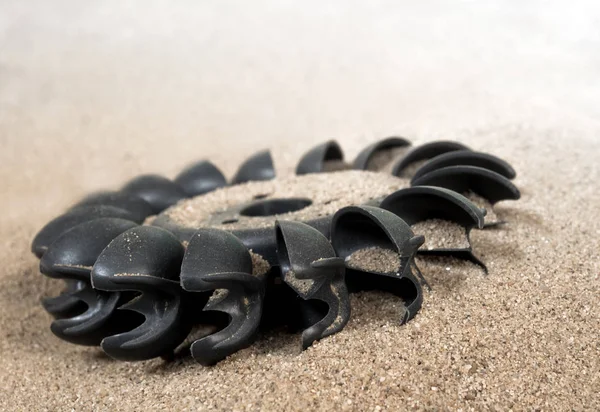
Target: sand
{"x":260,"y":266}
{"x":384,"y":160}
{"x":491,"y":217}
{"x":335,"y":165}
{"x":441,"y":234}
{"x":92,"y":95}
{"x":412,"y":168}
{"x":374,"y":259}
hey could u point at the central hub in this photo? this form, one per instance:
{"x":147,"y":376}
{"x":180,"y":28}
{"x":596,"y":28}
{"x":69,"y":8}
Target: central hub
{"x":256,"y":205}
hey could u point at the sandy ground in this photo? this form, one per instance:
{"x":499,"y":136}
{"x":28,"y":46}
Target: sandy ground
{"x":93,"y":93}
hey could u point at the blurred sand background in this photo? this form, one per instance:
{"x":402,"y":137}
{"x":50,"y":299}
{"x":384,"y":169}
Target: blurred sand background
{"x":93,"y":93}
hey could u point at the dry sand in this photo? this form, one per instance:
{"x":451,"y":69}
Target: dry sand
{"x":412,"y":168}
{"x":374,"y":259}
{"x":91,"y":95}
{"x":441,"y":234}
{"x":384,"y":160}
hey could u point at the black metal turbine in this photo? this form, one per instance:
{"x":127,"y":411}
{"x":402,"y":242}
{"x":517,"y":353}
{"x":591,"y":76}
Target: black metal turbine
{"x":137,"y":281}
